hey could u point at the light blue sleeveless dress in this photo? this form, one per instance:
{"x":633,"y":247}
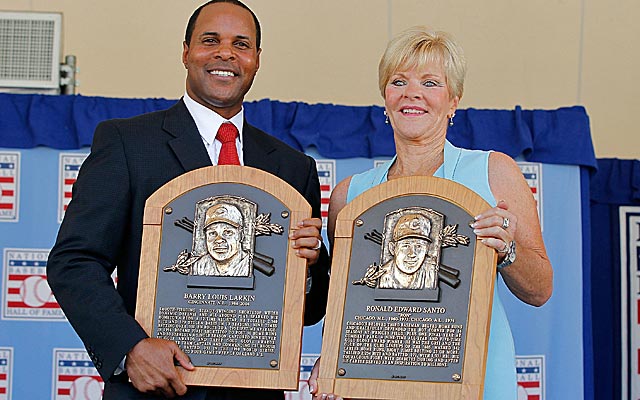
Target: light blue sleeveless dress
{"x":471,"y":169}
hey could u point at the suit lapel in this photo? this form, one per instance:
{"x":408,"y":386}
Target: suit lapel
{"x":258,"y":150}
{"x":187,"y":143}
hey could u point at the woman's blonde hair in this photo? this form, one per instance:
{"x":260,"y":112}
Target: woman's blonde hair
{"x":418,"y":46}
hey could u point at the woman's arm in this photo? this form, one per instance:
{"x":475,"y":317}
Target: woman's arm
{"x":530,"y":277}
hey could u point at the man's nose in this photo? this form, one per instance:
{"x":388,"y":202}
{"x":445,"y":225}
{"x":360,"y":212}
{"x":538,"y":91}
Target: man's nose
{"x":225,"y":51}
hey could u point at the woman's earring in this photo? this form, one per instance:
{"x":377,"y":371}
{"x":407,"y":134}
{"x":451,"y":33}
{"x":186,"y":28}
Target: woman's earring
{"x":451,"y":119}
{"x":386,"y":117}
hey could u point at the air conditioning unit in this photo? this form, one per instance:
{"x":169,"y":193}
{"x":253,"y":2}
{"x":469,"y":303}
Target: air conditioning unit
{"x":30,"y":52}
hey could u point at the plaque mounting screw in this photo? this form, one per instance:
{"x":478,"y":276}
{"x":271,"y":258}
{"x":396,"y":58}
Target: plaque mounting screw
{"x":359,"y":222}
{"x":273,"y":363}
{"x":168,"y":210}
{"x":456,"y":377}
{"x":342,"y":372}
{"x":285,"y":214}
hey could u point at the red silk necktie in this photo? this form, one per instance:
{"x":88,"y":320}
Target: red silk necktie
{"x":227,"y":134}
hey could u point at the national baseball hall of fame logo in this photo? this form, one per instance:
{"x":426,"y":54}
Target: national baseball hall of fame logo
{"x":70,"y":164}
{"x":530,"y":372}
{"x":74,"y":376}
{"x":26,"y":294}
{"x":9,"y":185}
{"x":6,"y":372}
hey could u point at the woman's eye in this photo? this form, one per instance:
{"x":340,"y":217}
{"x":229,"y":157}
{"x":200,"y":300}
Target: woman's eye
{"x":398,"y":82}
{"x":431,"y":83}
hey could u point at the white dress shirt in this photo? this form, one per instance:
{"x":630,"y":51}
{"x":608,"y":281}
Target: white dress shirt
{"x":208,"y":123}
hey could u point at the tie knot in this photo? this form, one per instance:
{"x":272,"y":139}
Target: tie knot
{"x":227,"y":132}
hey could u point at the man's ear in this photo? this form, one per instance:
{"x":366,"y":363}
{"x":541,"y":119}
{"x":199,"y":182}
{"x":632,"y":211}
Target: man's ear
{"x":258,"y":59}
{"x":185,"y":53}
{"x":392,"y":248}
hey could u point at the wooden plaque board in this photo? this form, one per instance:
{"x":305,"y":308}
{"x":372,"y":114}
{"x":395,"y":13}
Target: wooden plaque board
{"x":257,"y":345}
{"x":377,"y":345}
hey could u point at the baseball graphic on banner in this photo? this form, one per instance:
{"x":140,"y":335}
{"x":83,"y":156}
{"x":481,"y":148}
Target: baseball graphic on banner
{"x":86,"y":388}
{"x":35,"y":291}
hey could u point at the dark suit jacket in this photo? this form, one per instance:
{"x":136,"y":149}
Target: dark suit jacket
{"x":129,"y":160}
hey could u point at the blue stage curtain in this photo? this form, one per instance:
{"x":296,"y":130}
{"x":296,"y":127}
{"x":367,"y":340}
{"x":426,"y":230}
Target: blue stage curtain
{"x":616,"y":184}
{"x":559,"y":136}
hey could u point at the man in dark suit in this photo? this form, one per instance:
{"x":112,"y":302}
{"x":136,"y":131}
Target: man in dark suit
{"x":129,"y":160}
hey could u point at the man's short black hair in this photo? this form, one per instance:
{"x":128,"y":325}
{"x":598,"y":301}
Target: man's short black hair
{"x":194,"y":17}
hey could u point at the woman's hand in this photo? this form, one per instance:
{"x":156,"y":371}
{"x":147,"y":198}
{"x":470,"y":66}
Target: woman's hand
{"x":496,"y":228}
{"x":313,"y":385}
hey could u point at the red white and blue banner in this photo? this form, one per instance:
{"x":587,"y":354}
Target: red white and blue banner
{"x":9,"y":185}
{"x":532,"y":173}
{"x":6,"y":372}
{"x":75,"y":376}
{"x":327,"y":177}
{"x":70,"y":164}
{"x":26,"y":294}
{"x":530,"y":372}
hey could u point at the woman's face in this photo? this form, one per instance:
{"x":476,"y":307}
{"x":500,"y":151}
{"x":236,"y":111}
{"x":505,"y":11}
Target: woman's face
{"x":418,"y":103}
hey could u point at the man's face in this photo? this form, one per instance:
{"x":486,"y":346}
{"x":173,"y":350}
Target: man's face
{"x":222,"y":58}
{"x":223,"y":241}
{"x":410,"y":254}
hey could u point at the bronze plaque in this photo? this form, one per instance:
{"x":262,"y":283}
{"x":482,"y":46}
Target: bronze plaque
{"x":226,"y":286}
{"x":406,"y":315}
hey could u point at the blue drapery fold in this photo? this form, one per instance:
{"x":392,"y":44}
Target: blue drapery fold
{"x":559,"y":136}
{"x":616,"y":184}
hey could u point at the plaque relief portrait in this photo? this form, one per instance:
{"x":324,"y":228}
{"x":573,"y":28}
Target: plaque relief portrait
{"x":226,"y":253}
{"x":224,"y":231}
{"x":410,"y":267}
{"x":410,"y":253}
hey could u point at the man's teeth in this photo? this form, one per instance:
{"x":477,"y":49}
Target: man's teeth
{"x":222,"y":73}
{"x":411,"y":111}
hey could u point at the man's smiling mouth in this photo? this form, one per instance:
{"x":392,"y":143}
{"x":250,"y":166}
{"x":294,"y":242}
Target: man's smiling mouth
{"x":219,"y":72}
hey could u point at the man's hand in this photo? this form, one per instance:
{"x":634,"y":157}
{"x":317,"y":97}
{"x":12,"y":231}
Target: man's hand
{"x":151,"y":369}
{"x":307,"y":240}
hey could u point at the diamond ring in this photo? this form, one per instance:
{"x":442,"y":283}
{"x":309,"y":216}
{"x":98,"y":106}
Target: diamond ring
{"x":505,"y":223}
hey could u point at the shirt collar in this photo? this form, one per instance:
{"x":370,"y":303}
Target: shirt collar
{"x":208,"y":121}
